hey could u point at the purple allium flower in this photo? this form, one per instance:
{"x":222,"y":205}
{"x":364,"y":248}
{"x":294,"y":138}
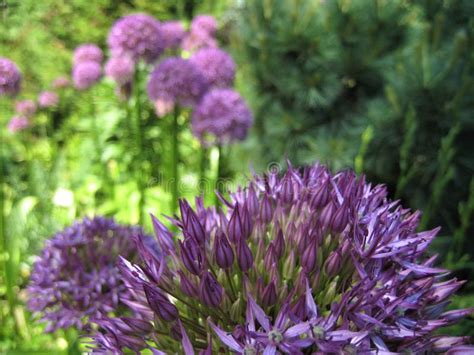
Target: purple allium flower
{"x":47,"y":99}
{"x":137,"y":36}
{"x":87,"y":52}
{"x":18,"y":123}
{"x":10,"y":77}
{"x":223,"y":114}
{"x":216,"y":65}
{"x":76,"y":277}
{"x":197,"y":39}
{"x":173,"y":33}
{"x":204,"y":23}
{"x":175,"y":81}
{"x":25,"y":108}
{"x":373,"y":287}
{"x":120,"y":69}
{"x":61,"y":82}
{"x":86,"y":74}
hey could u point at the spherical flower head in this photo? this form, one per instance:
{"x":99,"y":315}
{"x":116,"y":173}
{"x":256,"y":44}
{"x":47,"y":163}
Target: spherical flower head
{"x":18,"y":123}
{"x":61,"y":82}
{"x":120,"y":69}
{"x":216,"y":65}
{"x":204,"y":23}
{"x":176,"y":81}
{"x":197,"y":39}
{"x":302,"y":262}
{"x":48,"y":99}
{"x":10,"y":78}
{"x":223,"y":116}
{"x":173,"y":33}
{"x":137,"y":36}
{"x":25,"y":108}
{"x":76,"y":277}
{"x":87,"y":53}
{"x":86,"y":74}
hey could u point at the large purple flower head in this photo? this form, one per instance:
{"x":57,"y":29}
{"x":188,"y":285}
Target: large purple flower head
{"x":86,"y":74}
{"x":206,"y":23}
{"x":76,"y":276}
{"x":120,"y":69}
{"x":197,"y":39}
{"x":175,"y":81}
{"x":87,"y":53}
{"x":222,"y":116}
{"x":18,"y":123}
{"x":303,"y":262}
{"x":10,"y":77}
{"x":48,"y":99}
{"x":137,"y":36}
{"x":173,"y":33}
{"x":25,"y":108}
{"x":216,"y":65}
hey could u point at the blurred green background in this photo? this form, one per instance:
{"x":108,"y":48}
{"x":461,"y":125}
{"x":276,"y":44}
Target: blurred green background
{"x":381,"y":86}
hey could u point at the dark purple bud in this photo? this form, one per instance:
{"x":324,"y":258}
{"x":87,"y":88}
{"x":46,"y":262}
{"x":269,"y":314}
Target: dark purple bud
{"x":234,"y":229}
{"x":269,"y":296}
{"x":193,"y":228}
{"x":223,"y":253}
{"x":266,"y":212}
{"x":246,"y":221}
{"x":137,"y":325}
{"x":210,"y":290}
{"x":163,"y":235}
{"x":327,"y":214}
{"x":333,"y":263}
{"x":340,"y":219}
{"x":192,"y":256}
{"x":308,"y":259}
{"x":270,"y":257}
{"x":160,"y":304}
{"x":279,"y":244}
{"x":321,"y":196}
{"x":244,"y":256}
{"x":187,"y":286}
{"x":252,"y":201}
{"x":287,"y":190}
{"x":299,"y":308}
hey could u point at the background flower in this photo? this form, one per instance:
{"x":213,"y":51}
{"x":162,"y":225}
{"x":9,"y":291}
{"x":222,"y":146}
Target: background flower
{"x":216,"y":65}
{"x":120,"y":69}
{"x":18,"y":123}
{"x":173,"y":33}
{"x":47,"y":99}
{"x":25,"y":108}
{"x":10,"y":77}
{"x":86,"y":74}
{"x":87,"y":53}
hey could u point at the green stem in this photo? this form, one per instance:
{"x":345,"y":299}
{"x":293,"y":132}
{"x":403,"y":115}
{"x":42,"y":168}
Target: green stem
{"x":175,"y":160}
{"x":220,"y":173}
{"x":139,"y":139}
{"x":202,"y":169}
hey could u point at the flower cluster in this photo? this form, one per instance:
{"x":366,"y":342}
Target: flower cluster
{"x":307,"y":262}
{"x":216,"y":65}
{"x":18,"y":123}
{"x":25,"y":108}
{"x":223,"y":114}
{"x":76,"y":277}
{"x":87,"y":52}
{"x":137,"y":36}
{"x":120,"y":69}
{"x":48,"y":99}
{"x":10,"y":78}
{"x":175,"y":81}
{"x":173,"y":33}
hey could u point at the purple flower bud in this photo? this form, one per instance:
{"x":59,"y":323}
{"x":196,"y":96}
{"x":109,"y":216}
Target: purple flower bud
{"x":187,"y":287}
{"x":308,"y":260}
{"x":234,"y":228}
{"x":210,"y":290}
{"x":327,"y":214}
{"x":269,"y":296}
{"x":223,"y":251}
{"x":244,"y":256}
{"x":332,"y":266}
{"x":279,"y":244}
{"x":341,"y":218}
{"x":246,"y":221}
{"x":321,"y":196}
{"x":266,"y":210}
{"x":287,"y":189}
{"x":193,"y":228}
{"x":160,"y":304}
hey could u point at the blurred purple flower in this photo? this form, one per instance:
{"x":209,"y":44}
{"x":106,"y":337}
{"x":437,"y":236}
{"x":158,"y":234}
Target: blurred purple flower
{"x":137,"y":36}
{"x":173,"y":33}
{"x":86,"y":74}
{"x":10,"y":78}
{"x":175,"y":81}
{"x":223,"y":114}
{"x":76,"y":277}
{"x":18,"y":123}
{"x":61,"y":82}
{"x":48,"y":99}
{"x":26,"y":108}
{"x":371,"y":287}
{"x":87,"y":52}
{"x":120,"y":69}
{"x":216,"y":65}
{"x":206,"y":23}
{"x":198,"y":39}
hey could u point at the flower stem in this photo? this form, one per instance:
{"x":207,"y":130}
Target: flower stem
{"x":175,"y":160}
{"x":139,"y":174}
{"x":220,"y":173}
{"x":202,"y":169}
